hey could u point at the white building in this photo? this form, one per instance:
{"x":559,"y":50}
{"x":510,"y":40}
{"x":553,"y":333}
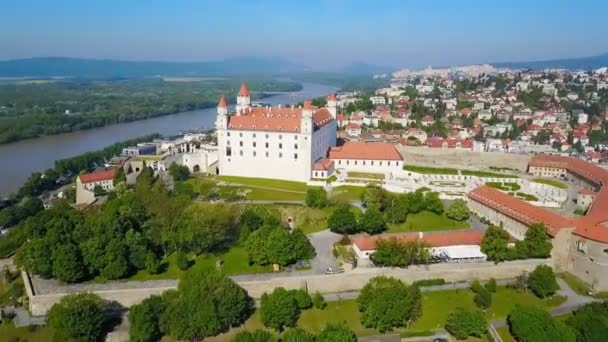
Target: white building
{"x":374,"y":157}
{"x":86,"y":184}
{"x":279,"y":142}
{"x":378,"y":100}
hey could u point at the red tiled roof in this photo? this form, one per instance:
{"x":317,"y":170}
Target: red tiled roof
{"x":275,"y":119}
{"x":323,"y":165}
{"x":223,"y":103}
{"x":431,"y":239}
{"x":353,"y":126}
{"x":519,"y":210}
{"x":585,"y":191}
{"x":97,"y":176}
{"x":244,"y":91}
{"x":332,"y":97}
{"x":365,"y":151}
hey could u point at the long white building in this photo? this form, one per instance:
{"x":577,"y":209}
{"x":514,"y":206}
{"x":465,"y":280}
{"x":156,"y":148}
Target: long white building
{"x":273,"y":142}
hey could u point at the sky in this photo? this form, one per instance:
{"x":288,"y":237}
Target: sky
{"x":316,"y":33}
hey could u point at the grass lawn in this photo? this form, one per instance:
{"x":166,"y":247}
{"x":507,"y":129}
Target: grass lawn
{"x":347,"y":193}
{"x":436,"y":306}
{"x":235,"y":261}
{"x":431,"y":170}
{"x":203,"y":186}
{"x":552,"y":182}
{"x":427,"y":221}
{"x":365,"y":175}
{"x":505,"y":334}
{"x":8,"y":332}
{"x":486,"y":174}
{"x":575,"y":283}
{"x":268,"y":183}
{"x":310,"y":220}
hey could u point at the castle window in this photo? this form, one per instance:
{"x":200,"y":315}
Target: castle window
{"x":266,"y":144}
{"x":228,"y":151}
{"x":227,"y":134}
{"x":241,"y":134}
{"x":280,"y":145}
{"x":254,"y":153}
{"x":295,"y":146}
{"x":266,"y":134}
{"x":241,"y":153}
{"x":295,"y":156}
{"x":581,"y":246}
{"x":254,"y":130}
{"x":241,"y":143}
{"x":254,"y":144}
{"x":266,"y":154}
{"x":267,"y":127}
{"x":280,"y":154}
{"x":280,"y":136}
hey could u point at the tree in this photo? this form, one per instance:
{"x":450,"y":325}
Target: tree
{"x":491,"y":285}
{"x":532,"y":324}
{"x":342,"y":220}
{"x":204,"y":304}
{"x":302,"y":247}
{"x":181,"y":259}
{"x":458,"y":210}
{"x":462,"y":323}
{"x":35,"y":256}
{"x":542,"y":281}
{"x":398,"y":253}
{"x":536,"y":243}
{"x":144,"y":320}
{"x":153,"y":264}
{"x":337,"y":333}
{"x":179,"y":172}
{"x":78,"y":316}
{"x":279,"y":309}
{"x":316,"y":197}
{"x":119,"y":176}
{"x":483,"y":299}
{"x":433,"y":203}
{"x":67,"y":263}
{"x":372,"y":221}
{"x":251,"y":219}
{"x":297,"y":335}
{"x":116,"y":262}
{"x":590,"y":322}
{"x":318,"y":301}
{"x":387,"y":303}
{"x":205,"y":226}
{"x":374,"y":196}
{"x":397,"y":208}
{"x":280,"y":247}
{"x":255,"y":336}
{"x":495,"y":244}
{"x":302,"y":299}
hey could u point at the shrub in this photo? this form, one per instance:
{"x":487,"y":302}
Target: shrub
{"x":302,"y":299}
{"x":542,"y":281}
{"x":528,"y":323}
{"x":430,"y":282}
{"x":491,"y":285}
{"x":255,"y":336}
{"x":279,"y":309}
{"x":462,"y":324}
{"x":318,"y":301}
{"x":181,"y":259}
{"x":78,"y":316}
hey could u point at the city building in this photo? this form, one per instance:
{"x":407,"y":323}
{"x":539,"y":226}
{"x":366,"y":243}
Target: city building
{"x":375,"y":157}
{"x":86,"y":184}
{"x":273,"y":142}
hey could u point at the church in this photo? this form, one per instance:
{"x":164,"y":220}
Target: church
{"x":274,"y":142}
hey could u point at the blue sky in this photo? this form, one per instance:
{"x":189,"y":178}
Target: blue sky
{"x":319,"y":33}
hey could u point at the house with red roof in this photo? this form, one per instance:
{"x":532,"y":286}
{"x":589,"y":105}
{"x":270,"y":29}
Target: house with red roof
{"x":353,"y":129}
{"x":88,"y":183}
{"x":427,"y":120}
{"x":361,"y":156}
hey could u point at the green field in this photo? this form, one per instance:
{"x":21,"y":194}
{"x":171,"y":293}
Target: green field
{"x":347,"y":193}
{"x":575,"y":283}
{"x":505,"y":334}
{"x":436,"y":306}
{"x":234,"y":261}
{"x":266,"y":190}
{"x":377,"y":176}
{"x":452,"y":171}
{"x":425,"y":221}
{"x":267,"y":183}
{"x":8,"y":332}
{"x":310,"y":220}
{"x":552,"y":182}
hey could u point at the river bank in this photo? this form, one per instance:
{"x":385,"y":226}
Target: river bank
{"x":21,"y":158}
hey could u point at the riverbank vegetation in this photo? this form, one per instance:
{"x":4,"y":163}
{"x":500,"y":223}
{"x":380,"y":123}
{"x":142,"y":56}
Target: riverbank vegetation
{"x":35,"y":109}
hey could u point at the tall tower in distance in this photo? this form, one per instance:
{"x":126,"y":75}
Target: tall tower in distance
{"x":221,"y":121}
{"x":332,"y":105}
{"x":243,"y":99}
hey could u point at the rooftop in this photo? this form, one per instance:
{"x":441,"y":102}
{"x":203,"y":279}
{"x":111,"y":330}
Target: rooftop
{"x":365,"y":151}
{"x":276,"y":119}
{"x":431,"y":239}
{"x":97,"y":176}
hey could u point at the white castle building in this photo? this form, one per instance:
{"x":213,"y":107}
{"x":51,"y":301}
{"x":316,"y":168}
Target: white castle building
{"x":273,"y":142}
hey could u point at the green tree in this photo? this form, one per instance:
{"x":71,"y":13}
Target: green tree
{"x":35,"y":256}
{"x":542,"y":281}
{"x":144,"y":320}
{"x":119,"y":176}
{"x":279,"y":309}
{"x":433,"y":203}
{"x":342,"y":220}
{"x":337,"y":333}
{"x":483,"y":299}
{"x":153,"y":264}
{"x":398,"y":253}
{"x":537,"y":243}
{"x":181,"y":259}
{"x":532,"y":324}
{"x":458,"y":210}
{"x":316,"y":197}
{"x":116,"y":262}
{"x":205,"y":304}
{"x":397,"y":208}
{"x":205,"y":226}
{"x":302,"y":248}
{"x":280,"y":247}
{"x":297,"y":335}
{"x":387,"y":303}
{"x":255,"y":336}
{"x":495,"y":244}
{"x":318,"y":301}
{"x":78,"y":316}
{"x":374,"y":196}
{"x":491,"y":285}
{"x":302,"y":298}
{"x":251,"y":219}
{"x":179,"y":172}
{"x":590,"y":322}
{"x":372,"y":221}
{"x":67,"y":263}
{"x":462,"y":324}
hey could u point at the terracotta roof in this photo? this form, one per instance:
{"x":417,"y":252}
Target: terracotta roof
{"x":332,"y":97}
{"x":431,"y":239}
{"x":323,"y":165}
{"x":97,"y":176}
{"x":365,"y":151}
{"x":275,"y":119}
{"x":519,"y":210}
{"x":223,"y":103}
{"x":244,"y":91}
{"x":353,"y":126}
{"x":307,"y":104}
{"x":585,"y":191}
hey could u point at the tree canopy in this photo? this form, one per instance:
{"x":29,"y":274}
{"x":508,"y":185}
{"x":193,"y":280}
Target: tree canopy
{"x":78,"y":316}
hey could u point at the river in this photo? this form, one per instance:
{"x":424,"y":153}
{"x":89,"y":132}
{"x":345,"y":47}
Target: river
{"x":21,"y":158}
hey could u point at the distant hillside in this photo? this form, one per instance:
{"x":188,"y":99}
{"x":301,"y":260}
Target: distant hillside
{"x":98,"y":68}
{"x":362,"y":68}
{"x":584,"y":63}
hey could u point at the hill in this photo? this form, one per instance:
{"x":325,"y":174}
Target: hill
{"x":584,"y":63}
{"x":101,"y":68}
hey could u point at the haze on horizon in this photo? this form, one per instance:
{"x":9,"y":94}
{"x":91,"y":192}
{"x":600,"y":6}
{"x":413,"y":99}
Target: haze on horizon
{"x":317,"y":33}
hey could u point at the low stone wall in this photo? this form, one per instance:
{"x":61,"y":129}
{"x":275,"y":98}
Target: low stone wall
{"x":127,"y":295}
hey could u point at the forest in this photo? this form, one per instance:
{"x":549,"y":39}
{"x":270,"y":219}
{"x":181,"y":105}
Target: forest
{"x":29,"y":109}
